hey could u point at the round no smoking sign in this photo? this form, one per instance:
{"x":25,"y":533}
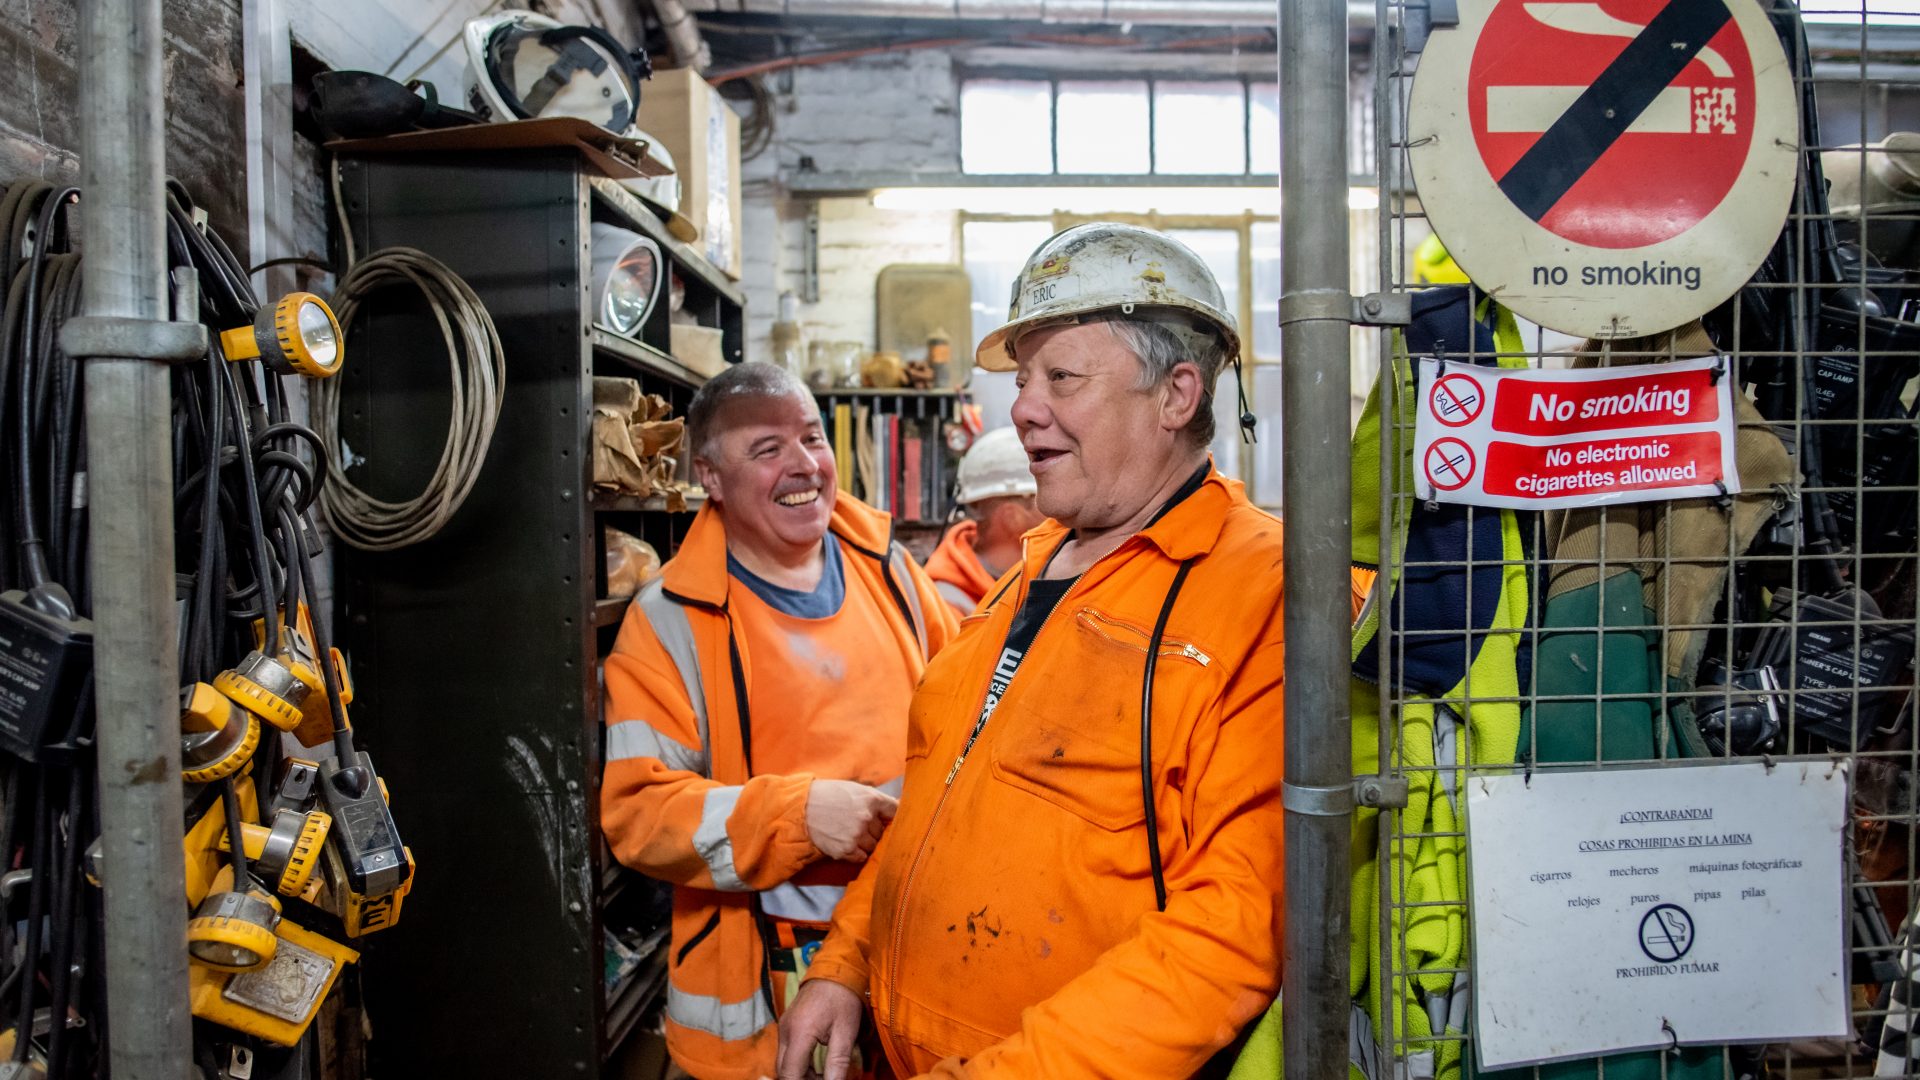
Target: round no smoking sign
{"x":1456,"y":400}
{"x":1609,"y":168}
{"x":1449,"y":464}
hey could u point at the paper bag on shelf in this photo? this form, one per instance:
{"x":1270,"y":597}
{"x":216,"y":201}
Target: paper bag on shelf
{"x":615,"y":464}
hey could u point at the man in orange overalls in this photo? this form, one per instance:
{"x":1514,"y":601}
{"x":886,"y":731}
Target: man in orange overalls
{"x":1084,"y":876}
{"x":756,"y":713}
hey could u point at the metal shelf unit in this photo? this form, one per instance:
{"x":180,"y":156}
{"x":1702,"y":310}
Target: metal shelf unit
{"x":479,"y":649}
{"x":922,"y":413}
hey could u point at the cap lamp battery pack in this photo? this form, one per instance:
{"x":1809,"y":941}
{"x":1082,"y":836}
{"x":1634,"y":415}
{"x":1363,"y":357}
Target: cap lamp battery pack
{"x":44,"y":662}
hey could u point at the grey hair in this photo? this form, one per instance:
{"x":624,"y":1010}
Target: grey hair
{"x":1163,"y":340}
{"x":755,"y":380}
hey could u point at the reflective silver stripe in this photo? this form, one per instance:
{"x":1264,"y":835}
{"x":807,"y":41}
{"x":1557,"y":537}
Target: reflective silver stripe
{"x":1362,"y":1052}
{"x":727,"y":1021}
{"x":671,"y":626}
{"x":903,"y":577}
{"x":956,"y":596}
{"x":893,"y":787}
{"x":802,"y":903}
{"x":627,"y":739}
{"x":712,"y":842}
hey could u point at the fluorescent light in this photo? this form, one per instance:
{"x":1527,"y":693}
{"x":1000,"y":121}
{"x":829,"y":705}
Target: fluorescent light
{"x":984,"y":199}
{"x":1363,"y":198}
{"x":1875,"y":12}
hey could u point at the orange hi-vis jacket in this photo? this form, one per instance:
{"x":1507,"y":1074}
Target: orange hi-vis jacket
{"x":679,"y":800}
{"x":955,"y":568}
{"x":1006,"y":926}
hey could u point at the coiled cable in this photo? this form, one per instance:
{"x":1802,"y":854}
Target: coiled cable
{"x":477,"y":369}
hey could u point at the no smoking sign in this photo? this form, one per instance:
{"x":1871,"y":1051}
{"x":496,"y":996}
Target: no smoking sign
{"x":1456,"y":400}
{"x":1610,"y":168}
{"x":1450,"y":464}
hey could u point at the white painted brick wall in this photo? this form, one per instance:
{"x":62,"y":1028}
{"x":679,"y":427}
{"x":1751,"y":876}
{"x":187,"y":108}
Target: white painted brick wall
{"x":891,"y":113}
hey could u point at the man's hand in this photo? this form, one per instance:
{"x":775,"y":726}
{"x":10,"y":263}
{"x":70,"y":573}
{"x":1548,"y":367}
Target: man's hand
{"x":845,"y":820}
{"x":823,"y":1012}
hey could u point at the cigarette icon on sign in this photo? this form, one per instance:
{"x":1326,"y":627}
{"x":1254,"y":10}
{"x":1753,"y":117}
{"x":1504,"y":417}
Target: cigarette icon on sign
{"x":1676,"y":110}
{"x":1449,"y":464}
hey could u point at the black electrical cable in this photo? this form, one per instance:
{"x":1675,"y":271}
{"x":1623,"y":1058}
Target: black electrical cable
{"x":198,"y":664}
{"x":263,"y":569}
{"x":287,"y":540}
{"x":31,"y":543}
{"x":1146,"y":734}
{"x":292,"y":260}
{"x":323,"y":655}
{"x":65,"y":910}
{"x":230,"y":803}
{"x":36,"y":914}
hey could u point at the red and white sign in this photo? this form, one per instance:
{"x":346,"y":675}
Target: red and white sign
{"x":1608,"y":168}
{"x":1546,"y":440}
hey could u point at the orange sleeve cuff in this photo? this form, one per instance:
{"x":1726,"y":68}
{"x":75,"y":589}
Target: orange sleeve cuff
{"x":843,"y":966}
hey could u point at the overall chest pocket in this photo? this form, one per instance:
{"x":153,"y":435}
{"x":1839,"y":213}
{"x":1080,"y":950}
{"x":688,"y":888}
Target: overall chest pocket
{"x":1072,"y":736}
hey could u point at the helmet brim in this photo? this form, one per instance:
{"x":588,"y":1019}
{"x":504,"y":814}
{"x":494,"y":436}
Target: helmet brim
{"x":995,"y":351}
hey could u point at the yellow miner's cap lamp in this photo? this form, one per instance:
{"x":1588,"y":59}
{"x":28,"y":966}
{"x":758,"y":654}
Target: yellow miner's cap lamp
{"x":297,"y":336}
{"x":232,"y":930}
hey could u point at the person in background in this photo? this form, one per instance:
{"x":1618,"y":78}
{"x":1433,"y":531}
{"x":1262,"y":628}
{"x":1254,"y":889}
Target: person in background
{"x":756,"y":713}
{"x":996,"y":490}
{"x":1084,"y":877}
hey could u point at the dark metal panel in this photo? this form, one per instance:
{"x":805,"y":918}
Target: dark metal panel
{"x":474,"y":649}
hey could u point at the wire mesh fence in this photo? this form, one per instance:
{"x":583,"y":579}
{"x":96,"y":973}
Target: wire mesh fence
{"x":1771,"y":625}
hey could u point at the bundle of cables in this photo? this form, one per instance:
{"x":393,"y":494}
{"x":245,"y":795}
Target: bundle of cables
{"x":247,"y":478}
{"x":477,"y":371}
{"x":51,"y":810}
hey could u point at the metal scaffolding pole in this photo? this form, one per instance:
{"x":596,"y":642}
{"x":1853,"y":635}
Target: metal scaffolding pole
{"x":130,"y":498}
{"x":1315,"y":312}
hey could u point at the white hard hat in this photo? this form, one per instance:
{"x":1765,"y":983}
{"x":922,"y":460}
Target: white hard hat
{"x":662,"y":193}
{"x":1101,"y":266}
{"x":522,"y":65}
{"x":995,"y":466}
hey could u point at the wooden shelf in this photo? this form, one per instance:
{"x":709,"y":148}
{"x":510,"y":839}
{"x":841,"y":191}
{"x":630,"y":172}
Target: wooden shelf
{"x":645,"y":357}
{"x":654,"y":504}
{"x":871,"y":392}
{"x":611,"y":611}
{"x":635,"y":214}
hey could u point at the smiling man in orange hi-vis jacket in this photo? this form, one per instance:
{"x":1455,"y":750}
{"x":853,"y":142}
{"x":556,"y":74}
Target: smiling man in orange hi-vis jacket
{"x":1052,"y":900}
{"x":756,"y":713}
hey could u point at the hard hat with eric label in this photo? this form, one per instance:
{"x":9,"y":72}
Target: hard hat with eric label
{"x":1102,"y":266}
{"x":995,"y":467}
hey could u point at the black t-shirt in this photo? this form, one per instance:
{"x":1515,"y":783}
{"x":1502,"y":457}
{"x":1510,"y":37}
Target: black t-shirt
{"x":1043,"y":596}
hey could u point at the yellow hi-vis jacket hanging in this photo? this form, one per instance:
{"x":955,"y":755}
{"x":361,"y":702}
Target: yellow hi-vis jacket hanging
{"x":1459,"y":705}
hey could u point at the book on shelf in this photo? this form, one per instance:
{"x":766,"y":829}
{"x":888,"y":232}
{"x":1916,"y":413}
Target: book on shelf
{"x":843,"y":445}
{"x":912,"y":453}
{"x":878,"y":484}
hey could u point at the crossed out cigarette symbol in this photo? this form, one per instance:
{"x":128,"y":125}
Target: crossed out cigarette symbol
{"x":1456,"y":400}
{"x":1450,"y":464}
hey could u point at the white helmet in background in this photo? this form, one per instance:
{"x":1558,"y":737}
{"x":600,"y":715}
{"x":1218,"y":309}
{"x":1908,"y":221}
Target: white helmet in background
{"x":995,"y":466}
{"x":1101,"y":266}
{"x":662,"y":193}
{"x":522,"y":65}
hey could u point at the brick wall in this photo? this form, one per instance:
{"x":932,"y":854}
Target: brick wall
{"x":889,"y":113}
{"x":201,"y":64}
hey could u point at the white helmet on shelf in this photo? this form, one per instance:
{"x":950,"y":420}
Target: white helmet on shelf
{"x":662,"y":193}
{"x":522,"y":65}
{"x":995,"y":466}
{"x":1101,"y":266}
